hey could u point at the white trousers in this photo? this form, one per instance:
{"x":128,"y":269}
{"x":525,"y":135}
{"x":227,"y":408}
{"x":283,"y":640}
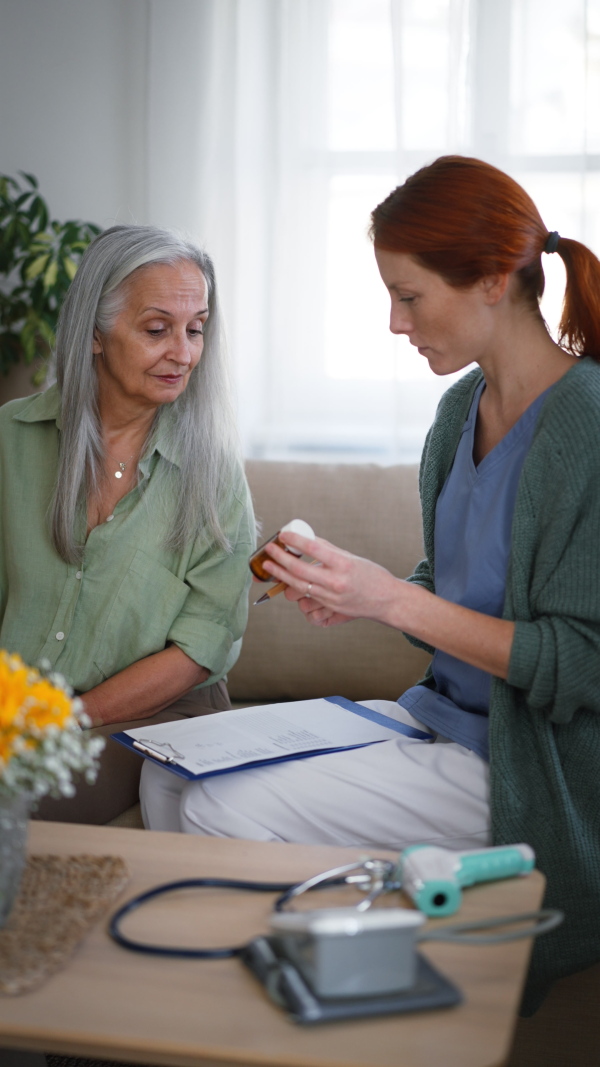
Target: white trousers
{"x":388,"y":795}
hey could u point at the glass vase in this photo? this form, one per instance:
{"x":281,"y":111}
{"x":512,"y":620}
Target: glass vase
{"x":14,"y":821}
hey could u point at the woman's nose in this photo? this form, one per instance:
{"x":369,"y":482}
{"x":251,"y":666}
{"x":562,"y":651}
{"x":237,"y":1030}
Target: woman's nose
{"x":181,"y":349}
{"x":400,"y":321}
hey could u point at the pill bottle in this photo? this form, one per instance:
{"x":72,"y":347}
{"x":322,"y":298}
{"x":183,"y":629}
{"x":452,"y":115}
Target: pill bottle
{"x":259,"y":557}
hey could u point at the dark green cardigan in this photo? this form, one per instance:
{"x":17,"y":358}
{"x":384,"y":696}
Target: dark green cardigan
{"x":544,"y":721}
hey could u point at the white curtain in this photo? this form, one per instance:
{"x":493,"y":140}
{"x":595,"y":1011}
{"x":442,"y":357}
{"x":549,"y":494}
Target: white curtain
{"x":273,"y":127}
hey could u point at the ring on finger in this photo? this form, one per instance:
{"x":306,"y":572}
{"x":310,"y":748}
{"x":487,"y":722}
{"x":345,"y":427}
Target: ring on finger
{"x":308,"y":589}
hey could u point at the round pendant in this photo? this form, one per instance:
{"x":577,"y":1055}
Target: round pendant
{"x":118,"y":474}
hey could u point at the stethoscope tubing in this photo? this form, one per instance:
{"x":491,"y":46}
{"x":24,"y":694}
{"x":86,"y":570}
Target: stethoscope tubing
{"x":285,"y":888}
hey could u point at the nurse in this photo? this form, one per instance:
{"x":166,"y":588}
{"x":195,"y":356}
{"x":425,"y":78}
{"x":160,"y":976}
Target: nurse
{"x":507,"y":599}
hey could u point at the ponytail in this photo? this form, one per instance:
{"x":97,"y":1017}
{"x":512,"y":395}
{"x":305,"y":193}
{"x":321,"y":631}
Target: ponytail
{"x":579,"y":327}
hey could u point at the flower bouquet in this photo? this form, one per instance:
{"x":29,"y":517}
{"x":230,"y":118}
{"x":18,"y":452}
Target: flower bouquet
{"x":42,"y":744}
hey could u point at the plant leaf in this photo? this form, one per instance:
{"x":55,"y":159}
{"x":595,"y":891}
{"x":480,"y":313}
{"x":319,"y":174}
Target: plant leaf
{"x":50,"y":275}
{"x":36,"y":268}
{"x":31,"y":178}
{"x":70,"y":267}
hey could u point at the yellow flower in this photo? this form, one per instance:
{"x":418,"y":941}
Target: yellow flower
{"x":30,"y":706}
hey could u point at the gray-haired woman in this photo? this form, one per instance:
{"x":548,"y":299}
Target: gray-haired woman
{"x":126,"y":521}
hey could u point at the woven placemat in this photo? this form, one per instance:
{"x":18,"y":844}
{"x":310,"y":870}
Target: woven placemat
{"x":59,"y":900}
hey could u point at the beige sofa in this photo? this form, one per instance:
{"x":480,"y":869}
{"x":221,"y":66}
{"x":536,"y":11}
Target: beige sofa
{"x":373,"y":511}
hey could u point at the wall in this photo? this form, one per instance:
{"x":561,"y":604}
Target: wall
{"x":72,"y":103}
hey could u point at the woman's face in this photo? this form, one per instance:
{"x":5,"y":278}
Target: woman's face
{"x":157,"y":339}
{"x":450,"y":327}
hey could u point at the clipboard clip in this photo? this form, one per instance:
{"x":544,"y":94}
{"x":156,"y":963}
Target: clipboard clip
{"x":160,"y":756}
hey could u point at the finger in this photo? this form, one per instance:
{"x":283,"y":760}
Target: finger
{"x":315,"y":615}
{"x":293,"y":594}
{"x":318,"y":548}
{"x":288,"y":568}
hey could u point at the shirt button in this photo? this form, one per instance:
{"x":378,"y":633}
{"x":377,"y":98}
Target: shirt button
{"x":79,"y":574}
{"x":109,"y":518}
{"x":60,"y":636}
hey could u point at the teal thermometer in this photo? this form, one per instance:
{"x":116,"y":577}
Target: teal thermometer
{"x":434,"y":877}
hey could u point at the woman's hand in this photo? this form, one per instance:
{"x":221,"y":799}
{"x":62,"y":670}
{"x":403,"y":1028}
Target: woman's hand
{"x":344,"y":587}
{"x":338,"y":588}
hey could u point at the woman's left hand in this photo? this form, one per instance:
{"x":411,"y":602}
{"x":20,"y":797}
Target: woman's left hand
{"x":339,"y":588}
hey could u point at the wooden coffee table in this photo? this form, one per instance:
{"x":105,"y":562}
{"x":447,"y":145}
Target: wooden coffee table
{"x":119,"y":1005}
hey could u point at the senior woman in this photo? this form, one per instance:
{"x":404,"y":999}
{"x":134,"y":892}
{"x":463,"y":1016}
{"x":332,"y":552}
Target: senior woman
{"x":507,"y":599}
{"x":126,"y":519}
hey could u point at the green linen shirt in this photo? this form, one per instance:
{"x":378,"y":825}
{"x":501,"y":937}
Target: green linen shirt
{"x":544,"y":719}
{"x":131,"y":596}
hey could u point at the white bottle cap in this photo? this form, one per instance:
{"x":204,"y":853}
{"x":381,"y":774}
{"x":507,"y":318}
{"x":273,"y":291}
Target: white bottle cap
{"x":298,"y":526}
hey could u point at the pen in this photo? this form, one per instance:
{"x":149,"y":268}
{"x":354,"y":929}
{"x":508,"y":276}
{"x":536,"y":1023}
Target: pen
{"x":151,"y":752}
{"x":279,"y":588}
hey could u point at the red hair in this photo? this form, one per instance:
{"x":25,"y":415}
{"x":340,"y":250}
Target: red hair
{"x":465,"y":219}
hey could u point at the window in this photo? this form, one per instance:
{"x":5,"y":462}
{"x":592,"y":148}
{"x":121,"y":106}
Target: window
{"x":354,"y":96}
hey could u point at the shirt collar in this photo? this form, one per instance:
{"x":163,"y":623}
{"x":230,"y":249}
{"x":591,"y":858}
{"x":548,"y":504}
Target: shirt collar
{"x":45,"y":407}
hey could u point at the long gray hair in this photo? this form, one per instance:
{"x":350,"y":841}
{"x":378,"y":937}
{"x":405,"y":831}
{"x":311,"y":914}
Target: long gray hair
{"x":202,"y":433}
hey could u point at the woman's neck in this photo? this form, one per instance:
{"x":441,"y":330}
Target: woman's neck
{"x":517,"y":370}
{"x":124,"y":426}
{"x":523,"y":362}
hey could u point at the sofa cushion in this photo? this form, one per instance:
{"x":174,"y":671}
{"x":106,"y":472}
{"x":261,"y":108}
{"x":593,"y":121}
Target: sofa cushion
{"x":370,"y":510}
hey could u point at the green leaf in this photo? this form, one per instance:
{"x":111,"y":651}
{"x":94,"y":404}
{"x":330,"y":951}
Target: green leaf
{"x":10,"y":232}
{"x":41,"y":209}
{"x":36,"y":268}
{"x":50,"y":275}
{"x":46,"y":332}
{"x":6,"y":183}
{"x":40,"y":375}
{"x":27,"y":338}
{"x":31,"y":178}
{"x":70,"y":267}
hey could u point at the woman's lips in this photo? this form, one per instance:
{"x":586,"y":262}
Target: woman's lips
{"x":171,"y":379}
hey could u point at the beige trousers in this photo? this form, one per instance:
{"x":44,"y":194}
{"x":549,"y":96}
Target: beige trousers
{"x":390,"y":795}
{"x":117,"y":785}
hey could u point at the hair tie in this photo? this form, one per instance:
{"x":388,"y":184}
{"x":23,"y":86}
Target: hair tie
{"x":552,"y":242}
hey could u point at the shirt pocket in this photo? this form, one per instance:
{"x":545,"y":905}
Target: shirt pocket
{"x":147,"y":602}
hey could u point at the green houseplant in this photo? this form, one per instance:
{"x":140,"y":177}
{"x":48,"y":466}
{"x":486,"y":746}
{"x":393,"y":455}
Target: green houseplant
{"x":38,"y":260}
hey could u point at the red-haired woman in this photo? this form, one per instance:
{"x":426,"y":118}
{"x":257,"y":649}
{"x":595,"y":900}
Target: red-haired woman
{"x":505,"y":743}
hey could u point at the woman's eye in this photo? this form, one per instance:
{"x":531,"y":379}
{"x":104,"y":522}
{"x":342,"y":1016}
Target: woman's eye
{"x":406,"y":299}
{"x":155,"y":333}
{"x":195,"y":331}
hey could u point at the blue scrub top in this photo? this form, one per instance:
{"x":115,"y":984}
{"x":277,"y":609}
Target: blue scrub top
{"x":473,"y":522}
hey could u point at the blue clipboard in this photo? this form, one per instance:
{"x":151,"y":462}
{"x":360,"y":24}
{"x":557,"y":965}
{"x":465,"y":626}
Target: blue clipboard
{"x":358,"y":709}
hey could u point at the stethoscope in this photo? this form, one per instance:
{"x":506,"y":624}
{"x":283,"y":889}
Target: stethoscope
{"x":373,"y":876}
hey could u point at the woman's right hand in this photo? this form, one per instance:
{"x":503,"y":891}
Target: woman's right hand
{"x":341,"y":587}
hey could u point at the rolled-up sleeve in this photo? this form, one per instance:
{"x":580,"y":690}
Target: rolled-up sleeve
{"x":556,"y":660}
{"x":213,"y":618}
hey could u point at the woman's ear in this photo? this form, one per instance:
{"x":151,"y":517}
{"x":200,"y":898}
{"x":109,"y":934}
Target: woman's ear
{"x":97,"y":344}
{"x":494,"y":287}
